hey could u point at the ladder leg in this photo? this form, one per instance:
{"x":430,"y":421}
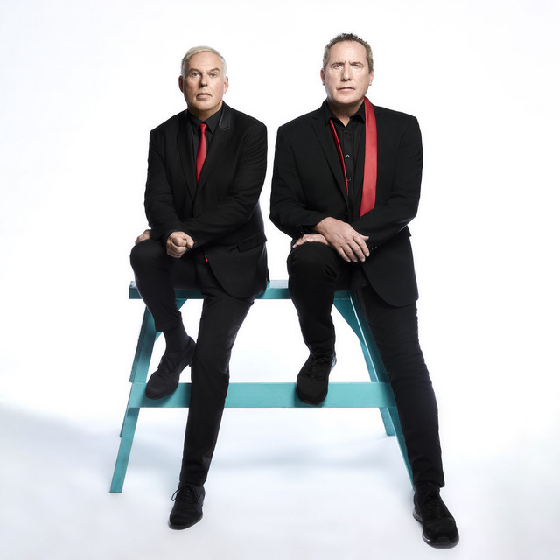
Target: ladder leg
{"x":127,"y":437}
{"x":144,"y":347}
{"x":347,"y":308}
{"x":138,"y":374}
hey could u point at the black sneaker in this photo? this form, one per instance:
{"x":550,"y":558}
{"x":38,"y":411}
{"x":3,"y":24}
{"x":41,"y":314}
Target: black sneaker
{"x":187,"y":509}
{"x":166,"y":377}
{"x":440,"y":529}
{"x":313,"y":379}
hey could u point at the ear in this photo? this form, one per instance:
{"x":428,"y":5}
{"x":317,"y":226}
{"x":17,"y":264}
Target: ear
{"x":371,"y":78}
{"x":323,"y":76}
{"x":181,"y":83}
{"x":226,"y":84}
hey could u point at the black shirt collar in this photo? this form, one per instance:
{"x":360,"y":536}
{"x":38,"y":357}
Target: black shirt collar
{"x":359,"y":115}
{"x":211,"y":122}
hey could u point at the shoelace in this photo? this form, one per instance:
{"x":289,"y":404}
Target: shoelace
{"x":185,"y":493}
{"x":318,"y":367}
{"x":169,"y":362}
{"x":434,"y":506}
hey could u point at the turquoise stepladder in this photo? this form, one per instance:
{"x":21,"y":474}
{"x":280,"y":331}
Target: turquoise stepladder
{"x":376,"y":393}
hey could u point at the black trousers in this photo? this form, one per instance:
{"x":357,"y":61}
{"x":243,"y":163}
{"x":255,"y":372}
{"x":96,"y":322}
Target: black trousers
{"x":157,"y":275}
{"x":316,"y":272}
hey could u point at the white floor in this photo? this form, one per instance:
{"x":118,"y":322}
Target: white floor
{"x":284,"y":483}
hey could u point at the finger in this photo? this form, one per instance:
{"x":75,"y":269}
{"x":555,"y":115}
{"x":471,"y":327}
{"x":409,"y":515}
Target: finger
{"x":343,"y":254}
{"x":362,"y":245}
{"x":358,"y":251}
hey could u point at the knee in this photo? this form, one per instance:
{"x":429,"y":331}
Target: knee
{"x":146,"y":254}
{"x":313,"y":261}
{"x":406,"y":367}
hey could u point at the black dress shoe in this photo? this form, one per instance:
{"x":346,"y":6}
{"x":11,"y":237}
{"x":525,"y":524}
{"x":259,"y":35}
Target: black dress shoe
{"x":187,"y":509}
{"x":440,"y":529}
{"x":313,"y":379}
{"x":166,"y":377}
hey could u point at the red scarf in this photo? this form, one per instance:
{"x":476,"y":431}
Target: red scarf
{"x":370,"y":163}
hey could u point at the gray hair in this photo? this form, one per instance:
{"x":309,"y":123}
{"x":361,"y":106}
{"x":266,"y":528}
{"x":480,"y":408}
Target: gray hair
{"x":195,"y":50}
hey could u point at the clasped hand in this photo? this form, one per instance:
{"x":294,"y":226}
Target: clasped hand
{"x":341,"y":236}
{"x":176,"y":245}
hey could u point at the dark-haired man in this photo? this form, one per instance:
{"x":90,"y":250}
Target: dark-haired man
{"x":346,"y":184}
{"x":206,"y":168}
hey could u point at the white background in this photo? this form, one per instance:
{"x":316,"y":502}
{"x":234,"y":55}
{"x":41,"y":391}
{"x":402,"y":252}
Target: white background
{"x":82,"y":85}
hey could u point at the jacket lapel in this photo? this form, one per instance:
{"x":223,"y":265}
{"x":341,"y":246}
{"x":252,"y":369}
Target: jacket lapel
{"x":383,"y":148}
{"x":324,"y":135}
{"x":185,"y":149}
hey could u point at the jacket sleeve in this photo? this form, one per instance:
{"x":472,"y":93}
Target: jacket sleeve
{"x":158,"y":198}
{"x":288,"y":209}
{"x":391,"y":216}
{"x":236,"y":208}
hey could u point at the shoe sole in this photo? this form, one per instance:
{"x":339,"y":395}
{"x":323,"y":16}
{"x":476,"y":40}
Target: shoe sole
{"x":444,"y":543}
{"x":307,"y":400}
{"x":156,"y":398}
{"x":177,"y":527}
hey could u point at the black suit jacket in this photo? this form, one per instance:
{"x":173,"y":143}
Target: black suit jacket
{"x":308,"y":185}
{"x":221,"y":213}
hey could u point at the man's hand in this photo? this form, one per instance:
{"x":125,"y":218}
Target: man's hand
{"x":342,"y":237}
{"x":307,"y":237}
{"x":143,"y":237}
{"x":178,"y":243}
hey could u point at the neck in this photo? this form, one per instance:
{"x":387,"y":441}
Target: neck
{"x":203,"y":115}
{"x":344,"y":112}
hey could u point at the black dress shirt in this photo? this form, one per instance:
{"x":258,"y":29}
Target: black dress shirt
{"x":194,"y":129}
{"x":352,"y":138}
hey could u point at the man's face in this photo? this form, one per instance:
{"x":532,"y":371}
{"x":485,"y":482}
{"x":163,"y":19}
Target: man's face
{"x":346,"y":76}
{"x":204,"y":84}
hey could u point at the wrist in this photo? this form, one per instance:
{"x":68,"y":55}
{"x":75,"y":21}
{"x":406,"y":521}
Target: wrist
{"x":322,"y":226}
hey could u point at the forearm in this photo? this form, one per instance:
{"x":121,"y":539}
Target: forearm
{"x":220,"y":220}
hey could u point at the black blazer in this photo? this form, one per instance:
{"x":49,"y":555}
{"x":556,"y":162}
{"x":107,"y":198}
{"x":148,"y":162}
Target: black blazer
{"x":221,"y":213}
{"x":308,"y":185}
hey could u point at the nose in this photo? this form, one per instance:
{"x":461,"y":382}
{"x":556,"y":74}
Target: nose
{"x":203,"y":79}
{"x":347,"y":72}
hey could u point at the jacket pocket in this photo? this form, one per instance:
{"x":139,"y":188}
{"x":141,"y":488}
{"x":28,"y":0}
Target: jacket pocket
{"x":252,"y":241}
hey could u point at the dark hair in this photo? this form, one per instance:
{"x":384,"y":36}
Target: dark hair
{"x":348,"y":37}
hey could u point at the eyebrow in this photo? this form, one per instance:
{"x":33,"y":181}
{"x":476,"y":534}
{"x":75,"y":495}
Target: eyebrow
{"x":216,"y":69}
{"x":349,"y":62}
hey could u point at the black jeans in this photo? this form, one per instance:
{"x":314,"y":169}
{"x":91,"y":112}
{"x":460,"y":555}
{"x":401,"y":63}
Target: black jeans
{"x":157,"y":275}
{"x":316,"y":272}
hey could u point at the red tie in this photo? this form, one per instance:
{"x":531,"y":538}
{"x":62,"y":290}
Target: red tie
{"x":201,"y":155}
